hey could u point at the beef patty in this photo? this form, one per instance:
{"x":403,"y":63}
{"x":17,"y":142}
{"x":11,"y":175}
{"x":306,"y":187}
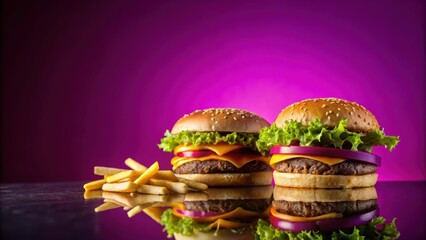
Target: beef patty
{"x":312,"y":209}
{"x":310,"y":166}
{"x":257,"y":205}
{"x":219,"y":166}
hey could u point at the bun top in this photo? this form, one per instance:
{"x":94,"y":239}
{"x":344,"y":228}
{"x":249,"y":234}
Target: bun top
{"x":330,"y":111}
{"x":220,"y":120}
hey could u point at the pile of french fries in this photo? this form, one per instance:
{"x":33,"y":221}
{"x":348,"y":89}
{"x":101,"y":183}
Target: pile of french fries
{"x":139,"y":188}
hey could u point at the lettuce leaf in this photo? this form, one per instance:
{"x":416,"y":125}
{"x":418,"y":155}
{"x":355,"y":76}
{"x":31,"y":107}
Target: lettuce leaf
{"x":187,"y":226}
{"x":170,"y":141}
{"x":317,"y":134}
{"x":265,"y":231}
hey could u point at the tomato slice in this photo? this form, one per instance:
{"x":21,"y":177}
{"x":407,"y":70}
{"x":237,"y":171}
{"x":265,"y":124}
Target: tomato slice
{"x":328,"y":152}
{"x":326,"y":224}
{"x":196,"y":154}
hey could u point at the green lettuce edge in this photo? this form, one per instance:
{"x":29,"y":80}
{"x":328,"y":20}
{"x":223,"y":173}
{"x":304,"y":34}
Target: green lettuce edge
{"x":187,"y":226}
{"x":318,"y":134}
{"x":265,"y":231}
{"x":170,"y":141}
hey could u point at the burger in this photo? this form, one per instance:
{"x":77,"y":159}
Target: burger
{"x":218,"y":213}
{"x":217,"y":147}
{"x":324,"y":143}
{"x":302,"y":213}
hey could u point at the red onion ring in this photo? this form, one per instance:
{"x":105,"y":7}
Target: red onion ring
{"x":326,"y":224}
{"x":328,"y":152}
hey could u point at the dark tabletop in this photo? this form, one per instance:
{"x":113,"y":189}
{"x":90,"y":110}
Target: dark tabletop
{"x":59,"y":211}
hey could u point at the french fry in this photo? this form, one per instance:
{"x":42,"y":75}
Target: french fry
{"x":176,"y":197}
{"x":135,"y":165}
{"x":178,"y":205}
{"x":141,"y":199}
{"x":148,"y":174}
{"x":166,"y":175}
{"x":92,"y":194}
{"x":106,"y":206}
{"x":177,"y":187}
{"x":149,"y":189}
{"x":194,"y":185}
{"x":123,"y":175}
{"x":132,"y":212}
{"x":94,"y":185}
{"x":139,"y":208}
{"x":107,"y":170}
{"x":120,"y":187}
{"x":154,"y":212}
{"x":122,"y":199}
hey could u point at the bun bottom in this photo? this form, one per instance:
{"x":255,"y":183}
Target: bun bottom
{"x":231,"y":179}
{"x":324,"y":181}
{"x":221,"y":234}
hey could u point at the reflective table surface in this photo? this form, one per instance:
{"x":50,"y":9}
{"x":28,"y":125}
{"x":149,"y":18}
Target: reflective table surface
{"x":59,"y":211}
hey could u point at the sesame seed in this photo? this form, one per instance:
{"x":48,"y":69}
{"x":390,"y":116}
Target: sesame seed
{"x":235,"y":118}
{"x":329,"y":118}
{"x":323,"y":106}
{"x":337,"y":115}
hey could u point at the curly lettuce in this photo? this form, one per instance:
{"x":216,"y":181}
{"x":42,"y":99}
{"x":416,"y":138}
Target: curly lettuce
{"x":170,"y":141}
{"x":187,"y":226}
{"x":377,"y":229}
{"x":318,"y":134}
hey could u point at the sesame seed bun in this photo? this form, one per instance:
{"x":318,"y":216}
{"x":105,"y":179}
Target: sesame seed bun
{"x":330,"y":111}
{"x":300,"y":180}
{"x":220,"y":120}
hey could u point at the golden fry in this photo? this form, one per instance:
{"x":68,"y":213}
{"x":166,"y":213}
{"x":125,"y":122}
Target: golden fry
{"x":120,"y":187}
{"x":129,"y":174}
{"x":107,"y":170}
{"x":106,"y":206}
{"x":135,"y":165}
{"x":177,"y":187}
{"x":194,"y":185}
{"x":148,"y":174}
{"x":150,"y":189}
{"x":94,"y":185}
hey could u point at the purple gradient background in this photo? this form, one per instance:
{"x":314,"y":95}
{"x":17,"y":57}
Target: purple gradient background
{"x":89,"y":83}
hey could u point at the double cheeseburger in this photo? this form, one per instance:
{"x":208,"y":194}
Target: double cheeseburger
{"x":324,"y":143}
{"x":217,"y":147}
{"x":308,"y":213}
{"x":218,"y":213}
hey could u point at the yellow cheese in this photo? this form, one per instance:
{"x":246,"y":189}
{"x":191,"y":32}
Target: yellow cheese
{"x":327,"y":160}
{"x":237,"y":159}
{"x":303,"y":219}
{"x":222,"y":223}
{"x":236,"y":213}
{"x":219,"y":149}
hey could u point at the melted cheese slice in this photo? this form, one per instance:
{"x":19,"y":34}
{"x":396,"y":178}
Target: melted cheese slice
{"x":222,"y":223}
{"x":237,"y":159}
{"x":220,"y":148}
{"x":291,"y":218}
{"x":236,"y":213}
{"x":327,"y":160}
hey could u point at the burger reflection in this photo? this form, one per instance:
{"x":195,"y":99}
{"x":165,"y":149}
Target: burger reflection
{"x":217,"y":213}
{"x":298,"y":213}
